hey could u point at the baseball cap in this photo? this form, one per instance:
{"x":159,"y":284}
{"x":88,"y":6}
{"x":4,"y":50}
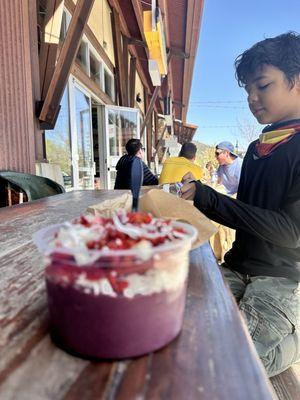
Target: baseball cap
{"x":227,"y":146}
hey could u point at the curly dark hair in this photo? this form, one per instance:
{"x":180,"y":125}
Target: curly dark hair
{"x":282,"y":52}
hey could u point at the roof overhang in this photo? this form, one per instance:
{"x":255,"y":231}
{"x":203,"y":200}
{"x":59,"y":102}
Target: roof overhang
{"x":184,"y":132}
{"x":182,"y":19}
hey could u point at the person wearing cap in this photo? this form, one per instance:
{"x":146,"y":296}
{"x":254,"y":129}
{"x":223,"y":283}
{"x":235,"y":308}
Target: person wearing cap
{"x":174,"y":168}
{"x":230,"y":166}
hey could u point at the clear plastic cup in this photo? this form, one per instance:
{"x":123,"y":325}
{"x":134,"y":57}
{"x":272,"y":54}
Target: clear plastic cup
{"x":121,"y":304}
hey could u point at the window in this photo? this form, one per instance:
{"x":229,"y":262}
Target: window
{"x":82,"y":55}
{"x":58,"y":142}
{"x":66,"y":19}
{"x":95,"y":69}
{"x":109,"y":84}
{"x":88,"y":57}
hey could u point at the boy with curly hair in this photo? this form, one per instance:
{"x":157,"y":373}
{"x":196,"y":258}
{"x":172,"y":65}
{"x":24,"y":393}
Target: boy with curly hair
{"x":263,"y":266}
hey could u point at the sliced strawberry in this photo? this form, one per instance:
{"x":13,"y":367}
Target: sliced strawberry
{"x":139,"y":218}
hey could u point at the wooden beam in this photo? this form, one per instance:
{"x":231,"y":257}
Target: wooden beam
{"x":133,"y":52}
{"x":149,"y":139}
{"x":82,"y":76}
{"x":149,"y":109}
{"x":126,"y":73}
{"x":50,"y":42}
{"x":118,"y":52}
{"x":148,"y":128}
{"x":132,"y":79}
{"x":137,"y":42}
{"x":158,"y":144}
{"x":92,"y":38}
{"x":178,"y":53}
{"x":39,"y":137}
{"x":193,"y":21}
{"x":153,"y":100}
{"x":138,"y":10}
{"x":155,"y":128}
{"x":67,"y":55}
{"x":164,"y":9}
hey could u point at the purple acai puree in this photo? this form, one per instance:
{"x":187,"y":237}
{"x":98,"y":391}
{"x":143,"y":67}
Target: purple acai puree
{"x":116,"y":286}
{"x":109,"y":327}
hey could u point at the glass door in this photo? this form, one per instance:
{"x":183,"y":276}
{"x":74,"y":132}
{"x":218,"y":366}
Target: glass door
{"x":121,"y":124}
{"x":82,"y":144}
{"x":58,"y":142}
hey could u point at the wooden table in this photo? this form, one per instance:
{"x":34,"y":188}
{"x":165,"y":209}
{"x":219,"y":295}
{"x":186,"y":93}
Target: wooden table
{"x":213,"y":358}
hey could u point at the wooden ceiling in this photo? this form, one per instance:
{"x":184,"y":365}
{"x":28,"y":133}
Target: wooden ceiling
{"x":182,"y":20}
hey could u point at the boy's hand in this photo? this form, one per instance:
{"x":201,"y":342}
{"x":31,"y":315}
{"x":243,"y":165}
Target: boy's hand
{"x":188,"y":189}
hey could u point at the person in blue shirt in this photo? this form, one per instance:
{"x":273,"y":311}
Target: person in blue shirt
{"x":134,"y":149}
{"x":230,"y":166}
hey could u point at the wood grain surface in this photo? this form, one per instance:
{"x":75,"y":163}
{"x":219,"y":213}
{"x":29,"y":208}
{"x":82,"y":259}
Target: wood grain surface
{"x":213,"y":357}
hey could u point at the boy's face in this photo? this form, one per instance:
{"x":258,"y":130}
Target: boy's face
{"x":270,"y":96}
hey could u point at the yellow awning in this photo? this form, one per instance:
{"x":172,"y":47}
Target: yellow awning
{"x":156,"y":42}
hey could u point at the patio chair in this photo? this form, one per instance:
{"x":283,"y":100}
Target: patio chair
{"x":18,"y":187}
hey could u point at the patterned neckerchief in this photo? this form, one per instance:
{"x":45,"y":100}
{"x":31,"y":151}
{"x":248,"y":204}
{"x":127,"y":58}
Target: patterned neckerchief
{"x":275,"y":135}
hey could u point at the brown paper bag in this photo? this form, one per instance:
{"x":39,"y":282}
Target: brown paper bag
{"x":161,"y":205}
{"x":166,"y":205}
{"x":107,"y":207}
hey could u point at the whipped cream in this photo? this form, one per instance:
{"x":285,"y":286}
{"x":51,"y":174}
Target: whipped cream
{"x":154,"y":280}
{"x":146,"y":271}
{"x":90,"y":237}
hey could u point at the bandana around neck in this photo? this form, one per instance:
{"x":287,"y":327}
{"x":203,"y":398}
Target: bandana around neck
{"x":275,"y":135}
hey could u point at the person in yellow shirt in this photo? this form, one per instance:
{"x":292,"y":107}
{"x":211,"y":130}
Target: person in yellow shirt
{"x":174,"y":168}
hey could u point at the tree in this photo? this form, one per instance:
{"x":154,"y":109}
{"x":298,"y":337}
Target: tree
{"x":204,"y":154}
{"x":246,"y":133}
{"x":59,"y":153}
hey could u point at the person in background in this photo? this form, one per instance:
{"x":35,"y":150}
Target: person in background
{"x":230,"y":166}
{"x":263,"y":265}
{"x":174,"y":168}
{"x":210,"y":177}
{"x":134,"y":149}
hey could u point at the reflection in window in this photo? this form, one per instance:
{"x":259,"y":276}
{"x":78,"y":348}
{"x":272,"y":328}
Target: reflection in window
{"x":66,"y":19}
{"x":81,"y":56}
{"x":122,"y":126}
{"x":95,"y":69}
{"x":109,"y":84}
{"x":113,"y":175}
{"x":58,"y":142}
{"x":84,"y":140}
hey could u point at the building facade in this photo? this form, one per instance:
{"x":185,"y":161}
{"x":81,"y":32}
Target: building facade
{"x":78,"y":82}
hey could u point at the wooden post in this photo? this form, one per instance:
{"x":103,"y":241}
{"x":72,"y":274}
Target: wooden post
{"x":153,"y":100}
{"x":155,"y":128}
{"x":118,"y":52}
{"x":49,"y":44}
{"x":126,"y":75}
{"x":149,"y":139}
{"x":132,"y":76}
{"x":149,"y":110}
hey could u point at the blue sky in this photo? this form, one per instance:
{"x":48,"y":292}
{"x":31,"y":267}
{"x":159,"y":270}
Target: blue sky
{"x":217,"y":104}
